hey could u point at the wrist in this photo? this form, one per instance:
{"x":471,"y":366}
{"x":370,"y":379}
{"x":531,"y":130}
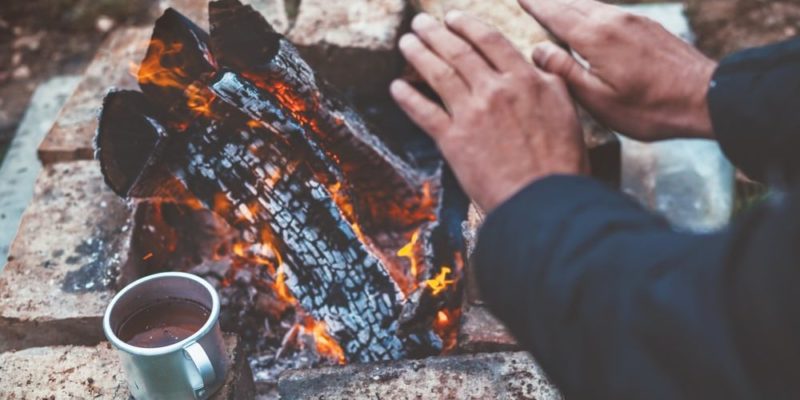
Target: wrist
{"x":699,"y":125}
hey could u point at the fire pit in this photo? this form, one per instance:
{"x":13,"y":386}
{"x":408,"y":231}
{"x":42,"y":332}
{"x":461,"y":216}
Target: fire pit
{"x":330,"y":242}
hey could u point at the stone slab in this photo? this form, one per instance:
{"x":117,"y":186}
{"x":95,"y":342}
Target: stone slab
{"x":506,"y":15}
{"x":20,"y":167}
{"x":82,"y":372}
{"x":71,"y":138}
{"x":72,"y":135}
{"x":352,"y":44}
{"x":498,"y":376}
{"x":61,"y":270}
{"x":481,"y":332}
{"x":197,"y":11}
{"x":689,"y":182}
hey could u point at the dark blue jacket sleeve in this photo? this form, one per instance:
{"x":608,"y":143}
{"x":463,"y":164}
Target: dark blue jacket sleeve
{"x":754,"y":101}
{"x":616,"y":305}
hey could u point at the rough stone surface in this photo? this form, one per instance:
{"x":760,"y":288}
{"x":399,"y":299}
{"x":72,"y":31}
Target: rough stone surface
{"x":480,"y":331}
{"x":82,"y":372}
{"x":71,"y":136}
{"x":352,"y":44}
{"x":197,"y":11}
{"x":726,"y":26}
{"x":690,"y":182}
{"x":61,"y":266}
{"x":506,"y":15}
{"x":498,"y":376}
{"x":20,"y":167}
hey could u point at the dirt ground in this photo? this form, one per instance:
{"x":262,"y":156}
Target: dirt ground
{"x":43,"y":38}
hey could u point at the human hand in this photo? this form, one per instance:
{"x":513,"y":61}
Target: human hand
{"x":505,"y":122}
{"x":642,"y":81}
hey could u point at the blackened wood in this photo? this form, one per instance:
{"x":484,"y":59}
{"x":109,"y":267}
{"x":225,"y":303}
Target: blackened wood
{"x":386,"y":191}
{"x":269,"y":196}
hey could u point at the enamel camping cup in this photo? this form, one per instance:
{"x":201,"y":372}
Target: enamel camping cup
{"x":192,"y":368}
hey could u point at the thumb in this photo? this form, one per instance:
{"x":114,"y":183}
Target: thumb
{"x":553,"y":59}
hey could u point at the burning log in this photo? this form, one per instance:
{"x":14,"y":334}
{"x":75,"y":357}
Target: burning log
{"x":255,"y":138}
{"x":385,"y":190}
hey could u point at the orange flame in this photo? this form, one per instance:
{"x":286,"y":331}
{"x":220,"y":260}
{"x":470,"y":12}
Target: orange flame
{"x":440,"y":282}
{"x":408,"y":252}
{"x":445,"y":325}
{"x":151,"y":71}
{"x":326,"y":345}
{"x":280,"y":288}
{"x":199,"y":100}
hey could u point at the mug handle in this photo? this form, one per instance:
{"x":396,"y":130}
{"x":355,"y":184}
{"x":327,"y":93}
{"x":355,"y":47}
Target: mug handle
{"x":203,"y":364}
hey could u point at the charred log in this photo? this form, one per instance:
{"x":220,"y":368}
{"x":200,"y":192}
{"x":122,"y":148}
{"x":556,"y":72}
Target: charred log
{"x":258,"y":189}
{"x":386,"y":191}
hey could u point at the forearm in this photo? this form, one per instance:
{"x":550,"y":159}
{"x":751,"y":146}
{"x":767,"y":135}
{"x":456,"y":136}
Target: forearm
{"x":615,"y":304}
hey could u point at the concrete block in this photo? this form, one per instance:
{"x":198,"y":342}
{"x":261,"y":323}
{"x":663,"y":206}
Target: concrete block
{"x":21,"y":167}
{"x":82,"y":372}
{"x":352,"y":44}
{"x":497,"y":376}
{"x":72,"y":135}
{"x":61,"y":270}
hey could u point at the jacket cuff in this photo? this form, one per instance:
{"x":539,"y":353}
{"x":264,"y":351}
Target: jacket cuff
{"x":752,"y":102}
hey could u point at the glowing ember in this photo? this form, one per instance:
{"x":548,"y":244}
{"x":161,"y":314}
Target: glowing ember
{"x":446,"y":327}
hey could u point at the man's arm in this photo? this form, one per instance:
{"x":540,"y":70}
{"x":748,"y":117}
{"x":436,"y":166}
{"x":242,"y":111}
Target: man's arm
{"x":755,"y":108}
{"x":615,"y":304}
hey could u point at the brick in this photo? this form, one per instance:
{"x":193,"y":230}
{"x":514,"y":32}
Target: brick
{"x":82,"y":372}
{"x":352,"y":44}
{"x":483,"y":376}
{"x":72,"y":240}
{"x":72,"y":135}
{"x":480,"y":332}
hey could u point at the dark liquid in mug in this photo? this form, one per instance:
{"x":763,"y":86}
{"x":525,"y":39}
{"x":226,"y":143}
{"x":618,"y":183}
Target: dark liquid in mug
{"x":163,"y":323}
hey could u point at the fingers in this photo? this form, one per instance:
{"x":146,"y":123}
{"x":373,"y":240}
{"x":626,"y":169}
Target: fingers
{"x":455,"y":51}
{"x":424,"y":112}
{"x":555,"y":60}
{"x":494,"y":46}
{"x":442,"y":77}
{"x":566,"y":19}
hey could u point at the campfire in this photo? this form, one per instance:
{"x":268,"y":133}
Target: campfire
{"x":328,"y":245}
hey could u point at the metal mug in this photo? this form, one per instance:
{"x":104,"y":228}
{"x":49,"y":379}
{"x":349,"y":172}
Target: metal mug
{"x":193,"y":368}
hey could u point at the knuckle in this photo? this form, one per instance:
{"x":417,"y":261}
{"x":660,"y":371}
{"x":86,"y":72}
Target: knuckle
{"x":493,"y":88}
{"x":481,"y":106}
{"x":444,"y":74}
{"x":490,"y":38}
{"x":627,"y":18}
{"x":460,"y":53}
{"x":529,"y":74}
